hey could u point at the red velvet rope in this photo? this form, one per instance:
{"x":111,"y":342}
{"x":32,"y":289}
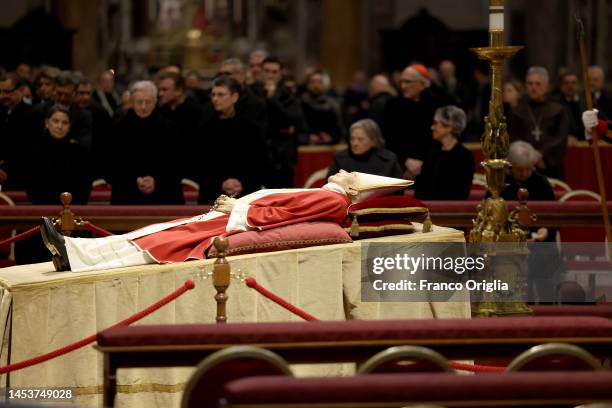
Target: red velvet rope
{"x":19,"y":237}
{"x":252,"y":283}
{"x":476,"y":367}
{"x":187,"y":285}
{"x":96,"y":229}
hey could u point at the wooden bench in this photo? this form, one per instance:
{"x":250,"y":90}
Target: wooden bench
{"x":350,"y":341}
{"x":557,"y":389}
{"x":602,"y":310}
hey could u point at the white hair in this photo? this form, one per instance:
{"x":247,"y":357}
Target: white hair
{"x":453,"y":117}
{"x":371,"y":129}
{"x":420,"y":76}
{"x":596,"y":68}
{"x":236,"y":62}
{"x":522,"y":154}
{"x":259,"y":53}
{"x":146,"y":86}
{"x":541,"y":71}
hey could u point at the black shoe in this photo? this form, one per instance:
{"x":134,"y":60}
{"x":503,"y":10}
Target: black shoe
{"x":54,"y":241}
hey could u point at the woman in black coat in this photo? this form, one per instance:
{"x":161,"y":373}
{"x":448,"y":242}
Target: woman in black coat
{"x":366,"y":153}
{"x":143,"y":160}
{"x":232,"y":155}
{"x":63,"y":165}
{"x":448,"y":169}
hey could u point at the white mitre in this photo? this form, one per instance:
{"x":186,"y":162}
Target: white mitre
{"x":370,"y":185}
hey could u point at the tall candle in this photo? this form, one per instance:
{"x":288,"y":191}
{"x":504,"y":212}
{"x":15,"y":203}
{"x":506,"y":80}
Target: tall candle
{"x":496,"y":14}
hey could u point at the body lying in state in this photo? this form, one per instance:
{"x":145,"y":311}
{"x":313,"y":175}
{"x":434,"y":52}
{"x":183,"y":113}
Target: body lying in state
{"x":186,"y":239}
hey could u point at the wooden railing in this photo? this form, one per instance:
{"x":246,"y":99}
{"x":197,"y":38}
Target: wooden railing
{"x":444,"y":213}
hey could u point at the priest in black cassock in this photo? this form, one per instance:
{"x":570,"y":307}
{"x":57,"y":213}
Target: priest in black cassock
{"x":542,"y":123}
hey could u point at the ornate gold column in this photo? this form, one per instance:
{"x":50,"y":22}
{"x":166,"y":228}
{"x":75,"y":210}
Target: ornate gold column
{"x":493,"y":224}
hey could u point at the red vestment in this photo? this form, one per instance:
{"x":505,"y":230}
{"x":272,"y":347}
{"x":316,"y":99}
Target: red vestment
{"x":190,"y":241}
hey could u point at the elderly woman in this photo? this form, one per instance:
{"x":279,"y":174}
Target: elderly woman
{"x":366,"y":153}
{"x":523,"y":174}
{"x":544,"y":260}
{"x":141,"y":153}
{"x":448,"y":169}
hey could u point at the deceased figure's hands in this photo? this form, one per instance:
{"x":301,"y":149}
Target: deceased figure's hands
{"x":224,"y":204}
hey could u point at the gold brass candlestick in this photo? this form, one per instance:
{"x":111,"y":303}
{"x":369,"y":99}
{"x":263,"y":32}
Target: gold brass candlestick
{"x":493,"y":224}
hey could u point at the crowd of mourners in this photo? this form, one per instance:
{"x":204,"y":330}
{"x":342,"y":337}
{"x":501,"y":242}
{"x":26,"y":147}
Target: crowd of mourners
{"x":240,"y":131}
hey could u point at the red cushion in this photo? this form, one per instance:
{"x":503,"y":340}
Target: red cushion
{"x":384,"y":216}
{"x":402,"y":201}
{"x":377,"y":228}
{"x":300,"y":235}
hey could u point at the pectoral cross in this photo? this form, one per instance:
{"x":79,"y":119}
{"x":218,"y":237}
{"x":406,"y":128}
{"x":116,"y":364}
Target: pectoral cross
{"x":537,"y":133}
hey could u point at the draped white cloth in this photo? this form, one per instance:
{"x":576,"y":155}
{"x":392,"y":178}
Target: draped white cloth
{"x":41,"y":310}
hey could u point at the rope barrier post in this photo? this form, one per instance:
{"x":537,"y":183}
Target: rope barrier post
{"x":66,"y":217}
{"x":221,"y":278}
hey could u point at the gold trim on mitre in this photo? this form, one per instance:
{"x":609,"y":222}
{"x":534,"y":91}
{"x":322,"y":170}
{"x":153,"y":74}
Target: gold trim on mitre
{"x":370,"y":185}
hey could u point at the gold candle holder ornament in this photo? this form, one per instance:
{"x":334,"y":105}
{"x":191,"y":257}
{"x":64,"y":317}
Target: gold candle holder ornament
{"x":493,"y":224}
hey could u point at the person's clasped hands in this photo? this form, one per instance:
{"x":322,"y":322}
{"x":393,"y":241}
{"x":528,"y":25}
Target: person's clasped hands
{"x":224,"y":204}
{"x":413,"y":168}
{"x":146,"y":184}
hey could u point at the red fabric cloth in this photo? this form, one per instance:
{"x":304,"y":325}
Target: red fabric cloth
{"x":602,"y":128}
{"x":281,"y":209}
{"x":190,"y":241}
{"x":403,"y":201}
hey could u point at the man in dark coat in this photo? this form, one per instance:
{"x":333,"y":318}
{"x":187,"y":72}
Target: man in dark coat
{"x":541,"y":123}
{"x":144,"y":155}
{"x":16,"y":133}
{"x":183,"y":112}
{"x":249,"y":106}
{"x":101,"y":125}
{"x":284,"y":117}
{"x":568,"y":95}
{"x":235,"y":154}
{"x":321,"y":112}
{"x":602,"y":98}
